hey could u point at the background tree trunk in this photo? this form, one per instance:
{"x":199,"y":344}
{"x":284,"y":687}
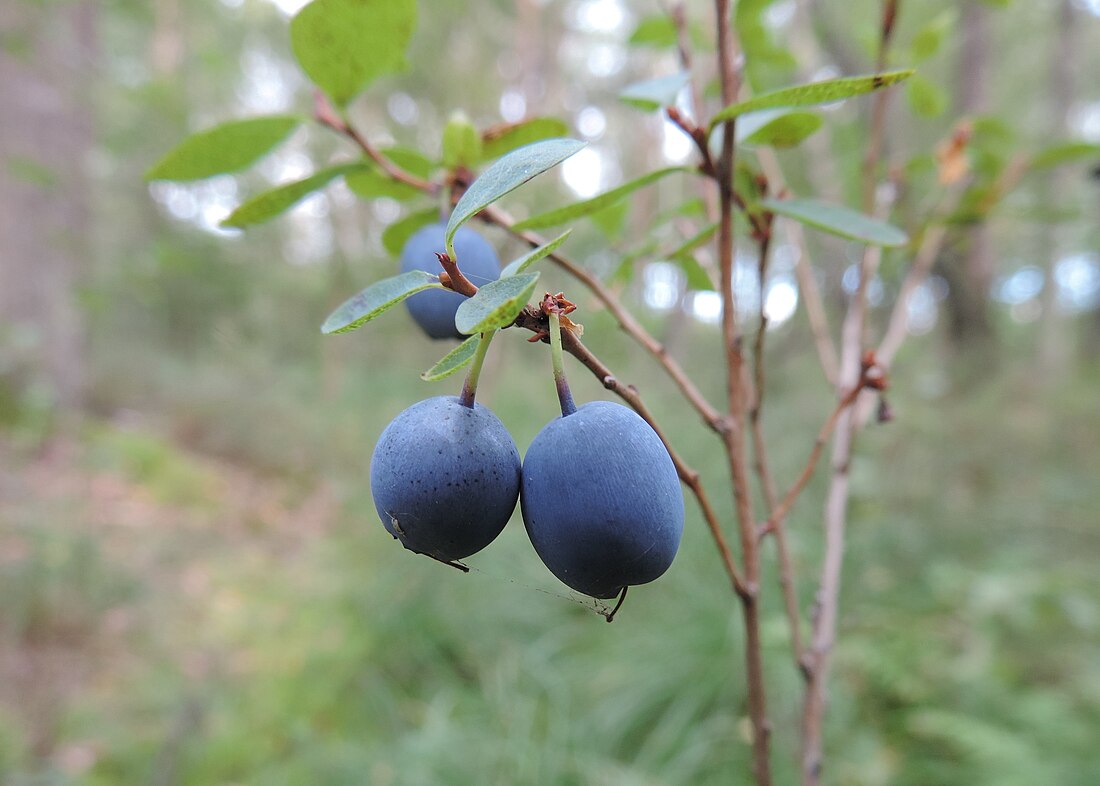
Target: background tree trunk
{"x":1053,"y":341}
{"x":46,"y":133}
{"x":970,"y":273}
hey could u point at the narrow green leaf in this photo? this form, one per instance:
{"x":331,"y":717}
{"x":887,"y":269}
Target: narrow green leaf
{"x":398,"y":233}
{"x":654,"y":94}
{"x":229,"y":147}
{"x":625,"y":271}
{"x":777,"y":128}
{"x":371,"y":183}
{"x":696,"y":240}
{"x":838,"y":220}
{"x":506,"y":175}
{"x":698,"y":279}
{"x":926,"y":98}
{"x":1064,"y":153}
{"x":533,"y":256}
{"x":561,"y":215}
{"x":611,"y":219}
{"x":269,"y":204}
{"x":809,"y":95}
{"x":342,"y":45}
{"x":454,"y":360}
{"x":461,"y":142}
{"x":376,"y":299}
{"x":412,"y":161}
{"x":499,"y":140}
{"x":496,"y":305}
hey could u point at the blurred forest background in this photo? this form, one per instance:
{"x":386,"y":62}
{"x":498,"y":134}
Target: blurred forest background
{"x":194,"y":586}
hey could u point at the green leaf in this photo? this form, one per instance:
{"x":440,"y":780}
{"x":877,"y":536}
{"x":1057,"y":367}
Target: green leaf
{"x":777,"y":128}
{"x":461,"y":142}
{"x":506,"y":175}
{"x":698,"y":279}
{"x":398,"y":233}
{"x":696,"y":240}
{"x":412,"y":161}
{"x":659,"y":31}
{"x":1064,"y":153}
{"x":496,"y":305}
{"x":454,"y":360}
{"x":654,"y":94}
{"x":376,"y":299}
{"x":342,"y":45}
{"x":838,"y":220}
{"x":229,"y":147}
{"x":499,"y":140}
{"x":530,"y":258}
{"x":371,"y":183}
{"x":814,"y":93}
{"x":625,"y":271}
{"x":929,"y":39}
{"x":561,"y":215}
{"x":764,"y":58}
{"x":610,"y":220}
{"x":269,"y":204}
{"x":925,"y":97}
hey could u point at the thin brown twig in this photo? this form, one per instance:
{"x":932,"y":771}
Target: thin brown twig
{"x":729,"y":80}
{"x":823,"y":629}
{"x":327,"y":116}
{"x":807,"y":283}
{"x":711,"y":416}
{"x":531,"y":319}
{"x":763,"y":468}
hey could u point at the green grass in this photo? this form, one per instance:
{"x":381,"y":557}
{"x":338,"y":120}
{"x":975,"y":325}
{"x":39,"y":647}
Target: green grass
{"x":271,"y":644}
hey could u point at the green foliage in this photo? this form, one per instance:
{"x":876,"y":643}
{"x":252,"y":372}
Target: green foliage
{"x":223,"y":149}
{"x":824,"y":92}
{"x":506,"y":175}
{"x":928,"y":40}
{"x":377,"y":299}
{"x":269,"y":204}
{"x":499,"y":140}
{"x":453,"y":361}
{"x":766,"y":62}
{"x":461,"y":142}
{"x":926,"y":98}
{"x":531,"y":257}
{"x":1064,"y":153}
{"x":777,"y":128}
{"x":397,"y":234}
{"x":343,"y":45}
{"x":654,"y":94}
{"x":587,"y":207}
{"x":838,"y":220}
{"x":497,"y":304}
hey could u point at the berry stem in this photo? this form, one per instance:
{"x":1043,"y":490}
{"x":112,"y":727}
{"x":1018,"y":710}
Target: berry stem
{"x":565,"y":397}
{"x":469,"y":387}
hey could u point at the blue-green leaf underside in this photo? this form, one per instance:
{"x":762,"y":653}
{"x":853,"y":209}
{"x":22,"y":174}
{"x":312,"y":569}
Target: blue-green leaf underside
{"x":814,"y":93}
{"x":497,"y":141}
{"x":561,"y":215}
{"x":269,"y":204}
{"x":226,"y":148}
{"x":838,"y":220}
{"x":654,"y":94}
{"x":454,"y":360}
{"x":343,"y":45}
{"x":377,"y":299}
{"x":506,"y":175}
{"x":520,"y":265}
{"x":496,"y":305}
